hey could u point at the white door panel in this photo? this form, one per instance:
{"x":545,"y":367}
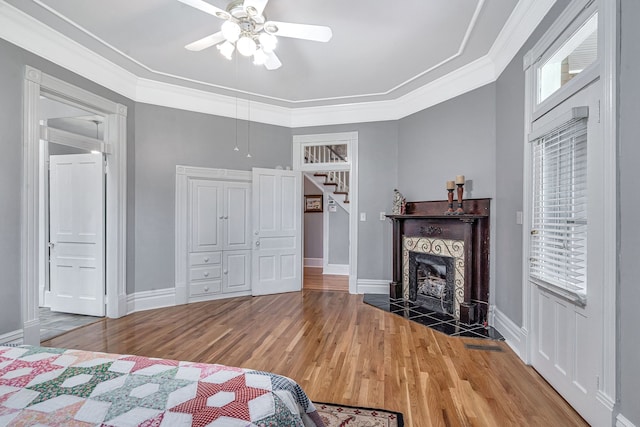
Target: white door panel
{"x":277,"y":224}
{"x":77,"y":236}
{"x":237,"y":271}
{"x":206,"y":215}
{"x":237,"y":216}
{"x":565,"y":335}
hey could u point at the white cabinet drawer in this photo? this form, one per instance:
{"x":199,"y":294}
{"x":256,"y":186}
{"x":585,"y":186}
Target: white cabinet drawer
{"x":205,"y":288}
{"x":205,"y":258}
{"x":205,"y":273}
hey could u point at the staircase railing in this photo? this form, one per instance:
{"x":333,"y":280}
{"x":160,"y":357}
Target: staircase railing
{"x":322,"y":154}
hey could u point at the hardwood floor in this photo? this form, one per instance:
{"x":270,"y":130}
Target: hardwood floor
{"x":343,"y":351}
{"x":315,"y":280}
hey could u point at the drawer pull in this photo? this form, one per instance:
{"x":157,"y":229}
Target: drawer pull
{"x":206,"y":274}
{"x":206,"y":259}
{"x":206,"y":289}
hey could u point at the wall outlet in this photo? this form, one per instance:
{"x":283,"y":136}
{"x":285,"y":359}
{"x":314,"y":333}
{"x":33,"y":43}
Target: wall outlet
{"x":363,"y":216}
{"x":382,"y":216}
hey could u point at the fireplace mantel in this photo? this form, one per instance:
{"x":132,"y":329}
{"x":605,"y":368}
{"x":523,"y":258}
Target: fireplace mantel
{"x":427,"y":219}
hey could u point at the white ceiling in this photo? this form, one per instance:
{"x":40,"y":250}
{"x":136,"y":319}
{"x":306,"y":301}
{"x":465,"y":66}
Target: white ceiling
{"x":380,"y":49}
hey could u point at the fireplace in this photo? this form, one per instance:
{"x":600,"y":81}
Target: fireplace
{"x":441,"y":262}
{"x":433,"y":274}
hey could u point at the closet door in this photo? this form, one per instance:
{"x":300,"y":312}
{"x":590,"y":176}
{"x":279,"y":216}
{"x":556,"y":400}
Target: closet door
{"x":237,"y":216}
{"x":207,"y":215}
{"x":236,"y":271}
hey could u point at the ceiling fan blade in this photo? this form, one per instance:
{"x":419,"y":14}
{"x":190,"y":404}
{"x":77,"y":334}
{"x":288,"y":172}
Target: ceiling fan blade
{"x":206,"y":8}
{"x":299,"y":31}
{"x":257,"y":5}
{"x":205,"y":42}
{"x":272,"y":62}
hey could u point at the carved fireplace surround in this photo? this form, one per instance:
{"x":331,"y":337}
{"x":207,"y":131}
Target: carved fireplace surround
{"x":425,"y":228}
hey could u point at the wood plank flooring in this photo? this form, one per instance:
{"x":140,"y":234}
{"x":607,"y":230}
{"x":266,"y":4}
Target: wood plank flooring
{"x":315,"y":280}
{"x":343,"y":351}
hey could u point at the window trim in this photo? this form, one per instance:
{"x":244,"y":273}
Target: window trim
{"x":572,"y":19}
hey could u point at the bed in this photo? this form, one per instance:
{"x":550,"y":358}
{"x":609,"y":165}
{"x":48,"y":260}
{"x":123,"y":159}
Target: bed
{"x":64,"y":387}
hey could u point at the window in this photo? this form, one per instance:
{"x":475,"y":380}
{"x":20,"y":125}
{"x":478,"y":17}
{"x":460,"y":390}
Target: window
{"x":558,"y":244}
{"x":569,"y":60}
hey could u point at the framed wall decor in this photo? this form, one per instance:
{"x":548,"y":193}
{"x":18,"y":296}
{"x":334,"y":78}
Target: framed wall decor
{"x":313,"y":203}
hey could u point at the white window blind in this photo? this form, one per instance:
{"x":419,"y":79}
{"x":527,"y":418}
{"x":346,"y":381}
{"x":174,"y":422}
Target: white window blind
{"x":558,"y":252}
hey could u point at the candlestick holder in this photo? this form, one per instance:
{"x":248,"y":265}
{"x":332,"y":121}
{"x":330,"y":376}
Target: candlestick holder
{"x":450,"y":210}
{"x":460,"y":211}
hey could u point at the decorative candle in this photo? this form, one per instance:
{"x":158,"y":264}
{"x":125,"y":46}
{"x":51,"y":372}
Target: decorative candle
{"x":451,"y":185}
{"x":459,"y":179}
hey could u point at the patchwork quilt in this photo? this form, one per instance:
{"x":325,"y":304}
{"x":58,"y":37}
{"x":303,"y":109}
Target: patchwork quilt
{"x":42,"y":386}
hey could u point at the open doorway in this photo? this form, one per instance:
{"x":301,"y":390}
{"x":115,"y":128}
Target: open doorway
{"x":329,"y":164}
{"x":326,"y":235}
{"x":72,"y":240}
{"x":111,"y":152}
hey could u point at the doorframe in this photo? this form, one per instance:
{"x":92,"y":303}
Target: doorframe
{"x":606,"y":69}
{"x":351,"y":139}
{"x":36,"y":84}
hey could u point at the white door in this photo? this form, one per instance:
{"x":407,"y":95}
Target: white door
{"x":77,"y":233}
{"x":207,"y":215}
{"x":237,"y":215}
{"x":277,"y":235}
{"x":566,"y":332}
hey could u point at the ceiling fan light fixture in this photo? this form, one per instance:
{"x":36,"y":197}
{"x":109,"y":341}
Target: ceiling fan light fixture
{"x":231,"y":31}
{"x":226,"y":49}
{"x":268,"y":42}
{"x":246,"y":46}
{"x":260,"y":57}
{"x":271,"y":28}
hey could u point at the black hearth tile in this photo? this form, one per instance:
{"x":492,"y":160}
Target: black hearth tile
{"x":489,"y":332}
{"x":449,"y":328}
{"x":441,"y":316}
{"x":400,"y":311}
{"x":425,"y":320}
{"x":468,"y":334}
{"x":379,"y":301}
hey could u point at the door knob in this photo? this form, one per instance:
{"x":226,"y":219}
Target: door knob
{"x":257,"y":242}
{"x":51,"y":245}
{"x":226,"y":272}
{"x":221,"y":216}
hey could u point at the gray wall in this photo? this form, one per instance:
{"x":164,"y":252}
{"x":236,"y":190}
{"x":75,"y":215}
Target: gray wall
{"x":377,"y":177}
{"x":507,"y":244}
{"x":313,"y":225}
{"x":12,"y":67}
{"x":455,"y":137}
{"x":629,"y":206}
{"x":338,"y":236}
{"x":166,"y":137}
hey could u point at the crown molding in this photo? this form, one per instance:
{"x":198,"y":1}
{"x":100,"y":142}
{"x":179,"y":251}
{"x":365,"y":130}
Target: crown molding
{"x":30,"y":34}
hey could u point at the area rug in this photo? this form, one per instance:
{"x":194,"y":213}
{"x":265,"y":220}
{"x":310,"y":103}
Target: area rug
{"x":350,"y":416}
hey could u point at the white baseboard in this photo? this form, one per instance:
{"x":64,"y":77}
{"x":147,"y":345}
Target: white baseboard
{"x":215,"y":297}
{"x":10,"y":337}
{"x":313,"y":262}
{"x":621,"y":421}
{"x":513,"y":334}
{"x":148,"y":300}
{"x":368,"y":286}
{"x":336,"y":269}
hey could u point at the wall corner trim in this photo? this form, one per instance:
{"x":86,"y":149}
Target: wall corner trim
{"x":514,"y":335}
{"x":621,"y":421}
{"x":149,"y":300}
{"x":369,"y":286}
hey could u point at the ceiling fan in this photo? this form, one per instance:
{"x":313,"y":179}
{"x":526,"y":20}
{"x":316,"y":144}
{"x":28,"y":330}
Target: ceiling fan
{"x":247,"y":30}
